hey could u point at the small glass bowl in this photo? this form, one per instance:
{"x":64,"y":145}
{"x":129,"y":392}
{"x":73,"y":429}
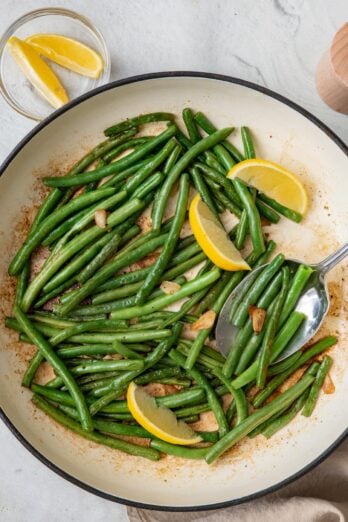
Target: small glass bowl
{"x":17,"y":90}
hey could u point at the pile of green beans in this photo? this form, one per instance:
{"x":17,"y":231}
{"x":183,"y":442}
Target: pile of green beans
{"x":97,"y":312}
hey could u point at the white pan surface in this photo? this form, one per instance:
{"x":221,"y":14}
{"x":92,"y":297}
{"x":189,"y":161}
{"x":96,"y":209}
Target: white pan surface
{"x":283,"y":135}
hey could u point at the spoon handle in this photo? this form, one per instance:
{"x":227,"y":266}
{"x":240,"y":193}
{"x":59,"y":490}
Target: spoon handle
{"x":333,"y":259}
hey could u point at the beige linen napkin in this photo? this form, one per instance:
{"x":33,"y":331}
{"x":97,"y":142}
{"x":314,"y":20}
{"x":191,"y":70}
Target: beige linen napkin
{"x":319,"y":496}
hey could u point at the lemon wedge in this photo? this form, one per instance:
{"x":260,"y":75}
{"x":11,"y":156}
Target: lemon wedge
{"x":273,"y":180}
{"x":68,"y":53}
{"x":158,"y":420}
{"x":212,"y":237}
{"x":36,"y":70}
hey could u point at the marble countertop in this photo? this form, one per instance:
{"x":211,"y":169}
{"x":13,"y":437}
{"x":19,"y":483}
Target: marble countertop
{"x":275,"y":43}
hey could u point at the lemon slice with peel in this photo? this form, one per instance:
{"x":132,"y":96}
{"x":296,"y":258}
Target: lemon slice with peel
{"x":273,"y":180}
{"x":68,"y":53}
{"x":213,"y":239}
{"x":36,"y":70}
{"x":158,"y":420}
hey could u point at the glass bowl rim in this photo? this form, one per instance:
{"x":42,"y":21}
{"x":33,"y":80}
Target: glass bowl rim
{"x":36,"y":13}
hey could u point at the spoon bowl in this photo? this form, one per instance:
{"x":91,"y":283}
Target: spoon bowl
{"x":314,"y":303}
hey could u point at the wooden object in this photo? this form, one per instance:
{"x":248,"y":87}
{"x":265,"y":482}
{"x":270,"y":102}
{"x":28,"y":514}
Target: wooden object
{"x":332,"y":73}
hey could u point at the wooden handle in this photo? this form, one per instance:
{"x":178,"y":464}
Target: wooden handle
{"x":332,"y":73}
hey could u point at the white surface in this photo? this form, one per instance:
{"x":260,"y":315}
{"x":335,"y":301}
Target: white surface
{"x":275,"y":43}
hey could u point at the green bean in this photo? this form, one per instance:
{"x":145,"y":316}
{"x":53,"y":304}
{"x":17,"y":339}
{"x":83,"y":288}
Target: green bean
{"x":56,"y":291}
{"x":107,"y":365}
{"x":160,"y":264}
{"x":185,"y":254}
{"x":86,"y":326}
{"x":238,"y":396}
{"x":106,"y":271}
{"x":285,"y":211}
{"x":212,"y":161}
{"x":32,"y":368}
{"x":178,"y":168}
{"x":210,"y":297}
{"x":172,"y":159}
{"x":89,"y":217}
{"x":115,"y":428}
{"x":127,"y":447}
{"x":253,"y":215}
{"x":226,"y":203}
{"x":182,"y":413}
{"x":52,"y":238}
{"x":138,"y":241}
{"x":210,"y":393}
{"x":209,"y":128}
{"x":73,"y":267}
{"x":270,"y":330}
{"x":189,"y":121}
{"x":230,"y":412}
{"x":281,"y":341}
{"x":97,"y":261}
{"x":282,"y":420}
{"x":225,"y":183}
{"x":178,"y":451}
{"x":117,"y":180}
{"x":100,"y":150}
{"x":283,"y":365}
{"x":131,"y":336}
{"x":316,"y":386}
{"x":266,"y":211}
{"x":242,"y":230}
{"x":22,"y":283}
{"x":93,"y":349}
{"x":155,"y":375}
{"x":160,"y":302}
{"x":129,"y":144}
{"x":90,"y":310}
{"x":148,"y":185}
{"x":298,"y":283}
{"x":49,"y":203}
{"x":224,"y":157}
{"x":117,"y":293}
{"x":285,"y":415}
{"x":58,"y":366}
{"x":256,"y":289}
{"x":117,"y":386}
{"x":124,"y":279}
{"x":231,"y":280}
{"x":145,"y":171}
{"x":147,"y":325}
{"x":208,"y":436}
{"x":203,"y":191}
{"x":203,"y":360}
{"x":112,"y":168}
{"x":249,"y":151}
{"x":257,"y":418}
{"x":182,"y":398}
{"x":182,"y":267}
{"x":94,"y":184}
{"x":50,"y":319}
{"x":183,"y":140}
{"x":137,"y":121}
{"x":48,"y":224}
{"x":126,"y":352}
{"x":76,"y":244}
{"x":207,"y":350}
{"x":186,"y":307}
{"x":177,"y":381}
{"x":247,"y":341}
{"x":53,"y":395}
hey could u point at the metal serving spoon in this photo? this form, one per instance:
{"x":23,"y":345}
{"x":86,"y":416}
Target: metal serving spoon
{"x":314,"y":302}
